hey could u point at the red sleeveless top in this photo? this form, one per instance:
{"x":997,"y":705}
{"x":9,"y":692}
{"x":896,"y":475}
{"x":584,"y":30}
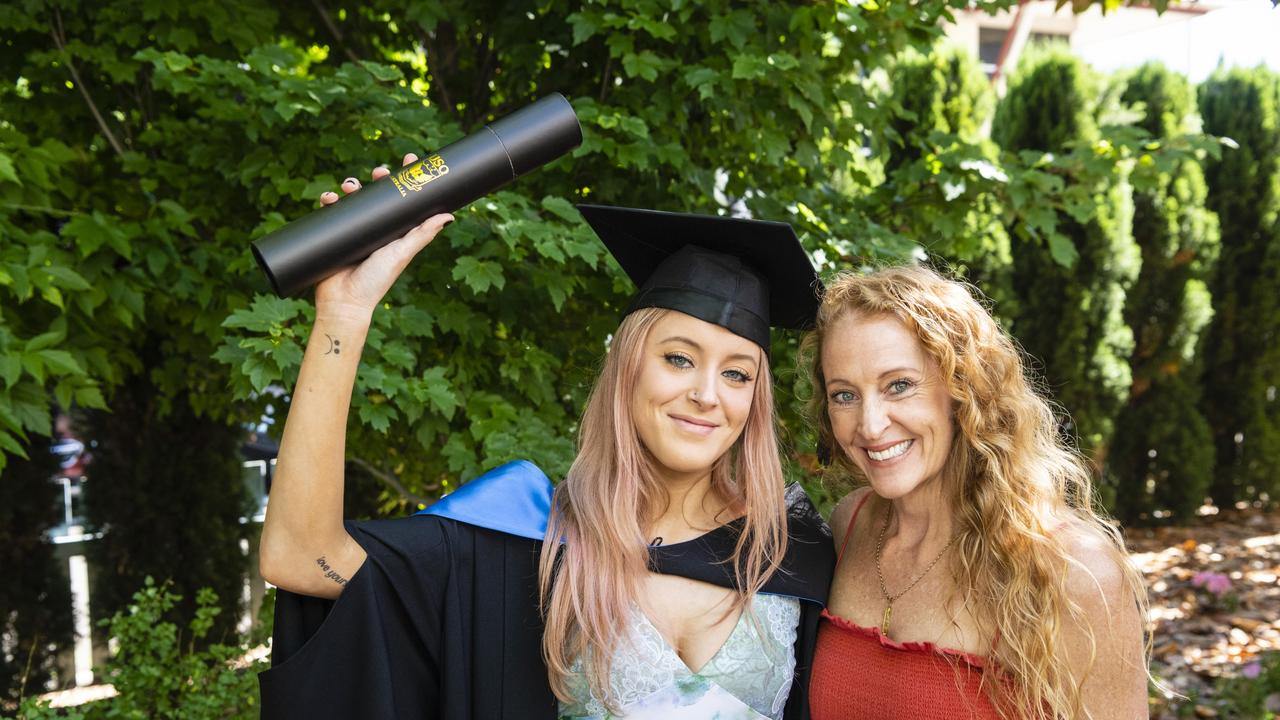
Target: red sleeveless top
{"x":860,"y":673}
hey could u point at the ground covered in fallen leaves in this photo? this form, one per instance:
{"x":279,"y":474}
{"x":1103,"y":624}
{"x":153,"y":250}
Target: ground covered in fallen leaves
{"x":1215,"y":603}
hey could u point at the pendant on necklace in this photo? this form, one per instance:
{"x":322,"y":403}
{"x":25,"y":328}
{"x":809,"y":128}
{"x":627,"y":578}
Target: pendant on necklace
{"x":884,"y":622}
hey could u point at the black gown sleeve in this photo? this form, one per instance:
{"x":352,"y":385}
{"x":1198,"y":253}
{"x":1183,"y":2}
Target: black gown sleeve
{"x":806,"y":642}
{"x":439,"y":622}
{"x":812,"y":555}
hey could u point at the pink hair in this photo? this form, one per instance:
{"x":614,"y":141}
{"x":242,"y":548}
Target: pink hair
{"x":590,"y":583}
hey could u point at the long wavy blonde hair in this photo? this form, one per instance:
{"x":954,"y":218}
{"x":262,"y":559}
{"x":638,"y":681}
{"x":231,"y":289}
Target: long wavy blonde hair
{"x":1008,"y":474}
{"x":590,"y":581}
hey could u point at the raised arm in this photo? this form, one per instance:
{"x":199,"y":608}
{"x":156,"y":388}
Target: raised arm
{"x":305,"y":548}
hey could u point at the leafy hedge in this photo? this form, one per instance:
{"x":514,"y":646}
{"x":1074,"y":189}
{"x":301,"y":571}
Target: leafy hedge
{"x":1162,"y":458}
{"x":1242,"y":359}
{"x":166,"y":668}
{"x":144,"y":144}
{"x":1070,"y":316}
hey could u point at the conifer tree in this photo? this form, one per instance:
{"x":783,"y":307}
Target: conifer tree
{"x":1070,"y":319}
{"x":1242,"y":359}
{"x":945,"y":100}
{"x":1162,"y":455}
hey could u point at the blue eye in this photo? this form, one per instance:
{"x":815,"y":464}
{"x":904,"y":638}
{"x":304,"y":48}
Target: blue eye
{"x":897,"y":387}
{"x":677,"y":360}
{"x":737,"y":376}
{"x":843,"y":397}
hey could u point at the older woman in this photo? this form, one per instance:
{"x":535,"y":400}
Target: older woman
{"x":974,"y":577}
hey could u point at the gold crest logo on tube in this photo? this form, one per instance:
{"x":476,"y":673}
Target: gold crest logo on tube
{"x":418,"y":175}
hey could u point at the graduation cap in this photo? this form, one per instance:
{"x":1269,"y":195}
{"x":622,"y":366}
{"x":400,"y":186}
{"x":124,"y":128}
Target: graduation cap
{"x":743,"y":275}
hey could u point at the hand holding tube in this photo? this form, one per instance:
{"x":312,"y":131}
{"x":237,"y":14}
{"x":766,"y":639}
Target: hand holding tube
{"x":355,"y":291}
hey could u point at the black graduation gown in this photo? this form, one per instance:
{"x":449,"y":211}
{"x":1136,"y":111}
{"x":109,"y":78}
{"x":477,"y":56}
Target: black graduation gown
{"x":441,"y":621}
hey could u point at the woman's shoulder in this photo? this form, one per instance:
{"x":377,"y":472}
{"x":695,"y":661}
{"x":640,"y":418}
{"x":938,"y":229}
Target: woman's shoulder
{"x":844,"y":514}
{"x":1103,"y":632}
{"x":1095,"y":573}
{"x":403,"y":537}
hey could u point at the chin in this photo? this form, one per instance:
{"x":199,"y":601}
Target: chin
{"x":685,"y":461}
{"x":892,"y":487}
{"x":686,"y":465}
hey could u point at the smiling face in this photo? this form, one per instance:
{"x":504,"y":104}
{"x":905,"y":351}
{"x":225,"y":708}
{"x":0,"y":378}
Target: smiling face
{"x":890,"y":411}
{"x":693,"y":393}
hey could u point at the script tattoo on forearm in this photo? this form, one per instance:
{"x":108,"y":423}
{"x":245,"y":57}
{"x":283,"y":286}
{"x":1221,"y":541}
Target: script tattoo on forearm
{"x":335,"y":345}
{"x":329,"y":572}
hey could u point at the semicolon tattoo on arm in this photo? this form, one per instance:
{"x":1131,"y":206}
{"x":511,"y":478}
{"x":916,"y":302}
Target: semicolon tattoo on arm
{"x":329,"y":571}
{"x":335,"y":345}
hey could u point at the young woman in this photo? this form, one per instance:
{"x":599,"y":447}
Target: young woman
{"x":676,"y":579}
{"x":974,"y":578}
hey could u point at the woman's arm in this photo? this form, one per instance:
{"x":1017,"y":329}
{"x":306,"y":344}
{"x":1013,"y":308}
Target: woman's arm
{"x":1105,"y":652}
{"x":305,"y":548}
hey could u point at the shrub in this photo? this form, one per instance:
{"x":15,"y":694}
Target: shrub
{"x":1070,"y":315}
{"x":160,"y":670}
{"x":1242,"y":357}
{"x":1162,"y":457}
{"x":1255,"y":692}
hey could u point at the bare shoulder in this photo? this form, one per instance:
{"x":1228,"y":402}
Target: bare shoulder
{"x":1095,"y":576}
{"x":1103,"y":639}
{"x":843,"y":513}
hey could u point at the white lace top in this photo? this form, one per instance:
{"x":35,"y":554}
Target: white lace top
{"x":748,"y":678}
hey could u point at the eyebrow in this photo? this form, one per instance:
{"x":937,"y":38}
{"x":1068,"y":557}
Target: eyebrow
{"x":696,"y":346}
{"x":881,"y":376}
{"x":900,"y":369}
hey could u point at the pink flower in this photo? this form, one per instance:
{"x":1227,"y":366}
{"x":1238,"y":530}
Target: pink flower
{"x":1252,"y":670}
{"x":1216,"y":583}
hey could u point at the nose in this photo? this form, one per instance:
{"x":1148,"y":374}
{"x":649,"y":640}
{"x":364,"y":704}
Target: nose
{"x":873,"y":419}
{"x":703,"y":392}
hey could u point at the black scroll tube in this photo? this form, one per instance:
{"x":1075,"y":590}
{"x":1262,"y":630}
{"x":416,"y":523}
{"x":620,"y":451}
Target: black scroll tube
{"x":313,"y":247}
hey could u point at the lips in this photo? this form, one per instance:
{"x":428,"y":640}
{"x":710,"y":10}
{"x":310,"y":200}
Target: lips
{"x":890,"y":451}
{"x":694,"y":425}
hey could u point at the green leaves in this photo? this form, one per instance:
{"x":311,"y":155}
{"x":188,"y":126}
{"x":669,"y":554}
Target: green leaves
{"x":234,"y":118}
{"x":7,"y":173}
{"x":736,"y":27}
{"x":749,"y":67}
{"x":91,"y":232}
{"x":1062,"y":249}
{"x":166,"y":671}
{"x":382,"y":73}
{"x":268,"y":313}
{"x":585,"y":25}
{"x":434,"y":390}
{"x":702,"y":79}
{"x":274,"y":353}
{"x":645,"y":65}
{"x":479,"y":275}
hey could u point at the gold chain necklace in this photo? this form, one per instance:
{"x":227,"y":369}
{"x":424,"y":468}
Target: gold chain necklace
{"x":890,"y":599}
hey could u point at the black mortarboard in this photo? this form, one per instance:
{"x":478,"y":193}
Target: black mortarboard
{"x":743,"y":275}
